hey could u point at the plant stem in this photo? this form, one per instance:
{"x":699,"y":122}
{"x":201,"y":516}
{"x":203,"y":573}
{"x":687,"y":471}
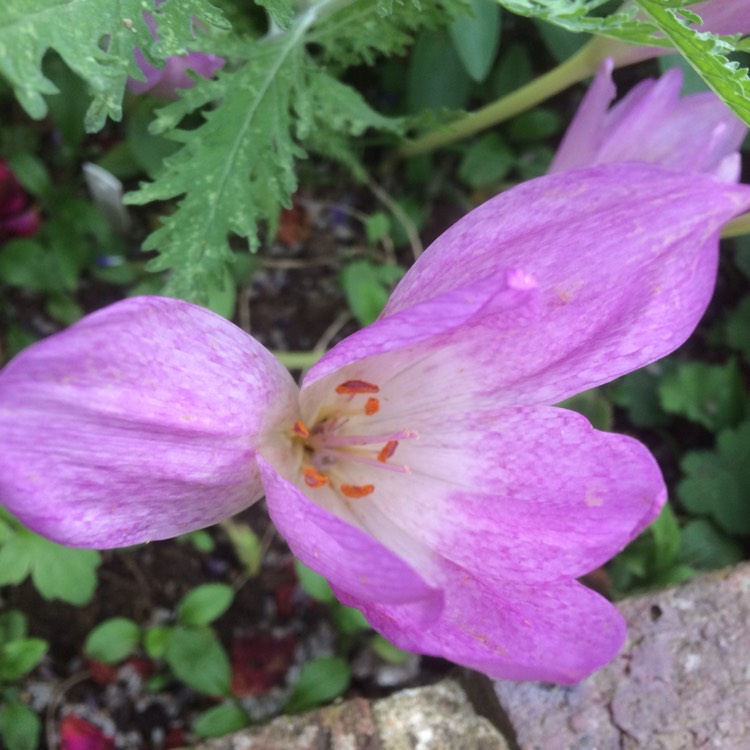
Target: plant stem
{"x":737,"y":227}
{"x":298,"y":360}
{"x":581,"y":65}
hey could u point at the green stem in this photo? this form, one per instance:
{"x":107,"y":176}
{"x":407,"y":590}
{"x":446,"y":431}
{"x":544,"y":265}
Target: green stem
{"x":737,"y":227}
{"x":298,"y":360}
{"x":581,"y":65}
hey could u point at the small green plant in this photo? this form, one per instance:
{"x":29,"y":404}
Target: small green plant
{"x":20,"y":726}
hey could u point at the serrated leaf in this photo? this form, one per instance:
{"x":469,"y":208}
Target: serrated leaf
{"x":113,"y":640}
{"x":705,"y":52}
{"x":12,"y":625}
{"x":233,"y":171}
{"x":20,"y":726}
{"x":19,"y":657}
{"x":221,"y":720}
{"x":280,"y":11}
{"x":96,"y":39}
{"x":205,"y":603}
{"x":717,"y":483}
{"x":320,"y":681}
{"x":198,"y":659}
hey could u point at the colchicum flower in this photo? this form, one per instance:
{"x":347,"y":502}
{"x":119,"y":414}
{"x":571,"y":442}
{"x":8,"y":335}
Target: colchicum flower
{"x":164,"y":82}
{"x":695,"y":133}
{"x":421,"y":467}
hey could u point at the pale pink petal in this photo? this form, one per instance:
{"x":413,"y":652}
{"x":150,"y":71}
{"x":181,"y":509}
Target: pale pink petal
{"x":139,"y":422}
{"x":623,"y":257}
{"x":695,"y":133}
{"x":558,"y":632}
{"x":526,"y":493}
{"x":354,"y":562}
{"x":580,"y":145}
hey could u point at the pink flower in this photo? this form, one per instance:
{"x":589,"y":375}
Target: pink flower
{"x":17,"y":217}
{"x":164,"y":82}
{"x":421,"y":467}
{"x":695,"y":133}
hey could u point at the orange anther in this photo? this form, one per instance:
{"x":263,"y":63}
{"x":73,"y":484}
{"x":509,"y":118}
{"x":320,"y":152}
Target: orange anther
{"x":372,"y":406}
{"x":357,"y":386}
{"x":357,"y":490}
{"x":314,"y":479}
{"x":387,"y":451}
{"x":300,"y":430}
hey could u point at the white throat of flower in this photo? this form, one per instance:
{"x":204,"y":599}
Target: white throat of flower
{"x":333,"y":443}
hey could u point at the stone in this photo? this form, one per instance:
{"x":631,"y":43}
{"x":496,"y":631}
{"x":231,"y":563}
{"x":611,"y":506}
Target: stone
{"x":681,"y":682}
{"x":438,"y":717}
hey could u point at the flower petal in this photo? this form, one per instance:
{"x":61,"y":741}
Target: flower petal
{"x":354,"y":562}
{"x":557,"y":632}
{"x":694,"y":133}
{"x":526,"y":494}
{"x":139,"y":422}
{"x":624,"y":258}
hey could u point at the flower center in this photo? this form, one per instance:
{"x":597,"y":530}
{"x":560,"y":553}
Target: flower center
{"x":333,"y":442}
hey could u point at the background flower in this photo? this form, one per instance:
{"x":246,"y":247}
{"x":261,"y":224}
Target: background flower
{"x":17,"y":217}
{"x":652,"y":123}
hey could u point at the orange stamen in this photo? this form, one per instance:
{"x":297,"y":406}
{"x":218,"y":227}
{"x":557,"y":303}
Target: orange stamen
{"x":357,"y":386}
{"x":314,"y":479}
{"x":357,"y":490}
{"x":387,"y":451}
{"x":372,"y":406}
{"x":300,"y":430}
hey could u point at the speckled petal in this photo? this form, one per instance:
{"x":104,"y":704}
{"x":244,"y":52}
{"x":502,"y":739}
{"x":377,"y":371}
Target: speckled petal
{"x":557,"y":632}
{"x":139,"y":422}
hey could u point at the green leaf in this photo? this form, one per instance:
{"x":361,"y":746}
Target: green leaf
{"x":476,"y":37}
{"x":20,"y":656}
{"x":280,"y":11}
{"x":703,"y":546}
{"x":221,"y":720}
{"x":233,"y":171}
{"x":705,"y":52}
{"x":738,"y":328}
{"x":112,"y":640}
{"x":246,"y":545}
{"x":156,"y":639}
{"x":198,"y":659}
{"x":12,"y":625}
{"x":348,"y":620}
{"x":487,"y":160}
{"x":366,"y":287}
{"x":387,"y":651}
{"x":666,"y":535}
{"x":320,"y":681}
{"x":717,"y":483}
{"x":313,"y":584}
{"x":15,"y":559}
{"x":63,"y":572}
{"x":425,"y":90}
{"x":534,"y":125}
{"x":205,"y":603}
{"x":20,"y":727}
{"x":712,"y":395}
{"x":594,"y":406}
{"x":638,"y":393}
{"x":75,"y":30}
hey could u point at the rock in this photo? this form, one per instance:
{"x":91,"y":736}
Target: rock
{"x":682,"y":680}
{"x":439,"y":717}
